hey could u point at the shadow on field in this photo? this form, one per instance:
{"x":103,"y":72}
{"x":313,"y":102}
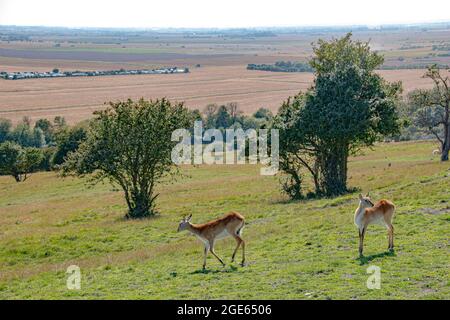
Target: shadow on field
{"x":366,"y":259}
{"x":223,"y":270}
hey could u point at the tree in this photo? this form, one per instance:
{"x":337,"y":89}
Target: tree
{"x":223,"y":118}
{"x":22,"y":134}
{"x":47,"y":128}
{"x":430,"y":109}
{"x":38,"y":138}
{"x":17,"y":161}
{"x":130,"y":144}
{"x":25,"y":136}
{"x":233,"y":111}
{"x":296,"y":148}
{"x":46,"y":163}
{"x":263,"y":113}
{"x":210,"y":115}
{"x":5,"y":128}
{"x":68,"y":139}
{"x":59,"y":122}
{"x":197,"y":115}
{"x":348,"y":107}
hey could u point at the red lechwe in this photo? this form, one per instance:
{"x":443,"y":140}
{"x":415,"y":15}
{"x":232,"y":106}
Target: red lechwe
{"x":368,"y":213}
{"x":229,"y":225}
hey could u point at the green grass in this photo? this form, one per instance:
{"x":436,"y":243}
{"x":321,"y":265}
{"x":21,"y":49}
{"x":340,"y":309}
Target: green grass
{"x":295,"y":250}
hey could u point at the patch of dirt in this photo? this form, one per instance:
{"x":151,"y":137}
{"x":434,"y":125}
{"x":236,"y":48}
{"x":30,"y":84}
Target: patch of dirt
{"x":436,"y":211}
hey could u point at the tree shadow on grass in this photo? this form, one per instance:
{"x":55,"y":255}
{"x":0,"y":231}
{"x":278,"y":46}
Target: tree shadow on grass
{"x":366,"y":259}
{"x":228,"y":269}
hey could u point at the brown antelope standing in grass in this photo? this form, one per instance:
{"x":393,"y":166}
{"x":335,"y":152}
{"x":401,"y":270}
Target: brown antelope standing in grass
{"x":369,"y":213}
{"x":229,"y":225}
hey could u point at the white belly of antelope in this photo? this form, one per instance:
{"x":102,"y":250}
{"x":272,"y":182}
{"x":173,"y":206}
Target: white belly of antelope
{"x":223,"y":234}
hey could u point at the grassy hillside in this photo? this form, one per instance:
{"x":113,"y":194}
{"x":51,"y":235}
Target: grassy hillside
{"x":295,"y":250}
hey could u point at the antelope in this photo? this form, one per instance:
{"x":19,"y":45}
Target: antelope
{"x":229,"y":225}
{"x":368,"y":213}
{"x":436,"y":152}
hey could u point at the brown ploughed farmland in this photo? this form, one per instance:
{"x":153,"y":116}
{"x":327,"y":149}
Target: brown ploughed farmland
{"x":217,"y":64}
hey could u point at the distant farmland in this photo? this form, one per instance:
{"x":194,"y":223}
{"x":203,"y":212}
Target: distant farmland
{"x":90,"y":55}
{"x":217,"y":62}
{"x":77,"y":98}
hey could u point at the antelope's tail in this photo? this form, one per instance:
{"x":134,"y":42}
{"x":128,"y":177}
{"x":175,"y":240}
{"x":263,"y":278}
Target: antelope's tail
{"x":239,"y":231}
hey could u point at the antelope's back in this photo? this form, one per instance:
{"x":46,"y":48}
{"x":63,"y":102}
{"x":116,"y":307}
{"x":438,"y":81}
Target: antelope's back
{"x":236,"y":215}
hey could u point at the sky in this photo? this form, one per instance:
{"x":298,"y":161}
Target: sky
{"x":219,"y":13}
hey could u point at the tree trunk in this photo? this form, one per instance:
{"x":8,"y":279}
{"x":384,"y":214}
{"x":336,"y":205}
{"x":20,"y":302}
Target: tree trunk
{"x":333,"y":167}
{"x":140,"y":205}
{"x":446,"y":144}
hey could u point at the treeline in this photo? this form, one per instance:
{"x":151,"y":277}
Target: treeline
{"x":229,"y":115}
{"x":441,"y":47}
{"x":27,"y":148}
{"x":282,"y":66}
{"x":288,"y":66}
{"x":410,"y":66}
{"x":44,"y":146}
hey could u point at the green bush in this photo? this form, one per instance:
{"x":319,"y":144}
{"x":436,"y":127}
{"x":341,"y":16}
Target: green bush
{"x":18,"y":161}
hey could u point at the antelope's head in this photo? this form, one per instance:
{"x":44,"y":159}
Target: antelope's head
{"x":365,"y":202}
{"x":184,"y":223}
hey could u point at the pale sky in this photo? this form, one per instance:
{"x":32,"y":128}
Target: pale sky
{"x":219,"y":13}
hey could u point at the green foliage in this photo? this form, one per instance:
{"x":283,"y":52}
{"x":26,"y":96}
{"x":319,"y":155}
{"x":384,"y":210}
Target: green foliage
{"x":19,"y":162}
{"x":5,"y":128}
{"x":130,"y":144}
{"x":42,"y":134}
{"x":348,"y":107}
{"x":282,"y":66}
{"x":68,"y":140}
{"x":48,"y":154}
{"x":47,"y":128}
{"x":23,"y":134}
{"x":59,"y":122}
{"x":223,"y":118}
{"x":230,"y":116}
{"x":263,"y":113}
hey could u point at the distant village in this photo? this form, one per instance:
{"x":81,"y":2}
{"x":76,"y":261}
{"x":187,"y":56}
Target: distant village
{"x":57,"y":74}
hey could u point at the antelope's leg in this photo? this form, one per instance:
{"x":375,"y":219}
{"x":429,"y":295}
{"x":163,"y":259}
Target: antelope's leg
{"x":205,"y":255}
{"x":211,"y":248}
{"x":239,"y":241}
{"x":391,"y":236}
{"x":243,"y":252}
{"x":361,"y":240}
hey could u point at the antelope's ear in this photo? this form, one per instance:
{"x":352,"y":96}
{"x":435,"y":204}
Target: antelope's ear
{"x":360,"y":196}
{"x":189,"y":218}
{"x":367,"y":195}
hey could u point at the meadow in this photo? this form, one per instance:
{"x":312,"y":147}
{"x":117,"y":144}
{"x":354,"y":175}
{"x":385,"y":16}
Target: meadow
{"x":295,"y":249}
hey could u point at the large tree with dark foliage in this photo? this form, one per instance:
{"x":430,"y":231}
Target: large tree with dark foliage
{"x":130,"y":144}
{"x":349,"y":106}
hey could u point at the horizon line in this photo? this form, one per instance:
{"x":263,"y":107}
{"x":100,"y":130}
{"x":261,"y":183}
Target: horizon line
{"x":306,"y":26}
